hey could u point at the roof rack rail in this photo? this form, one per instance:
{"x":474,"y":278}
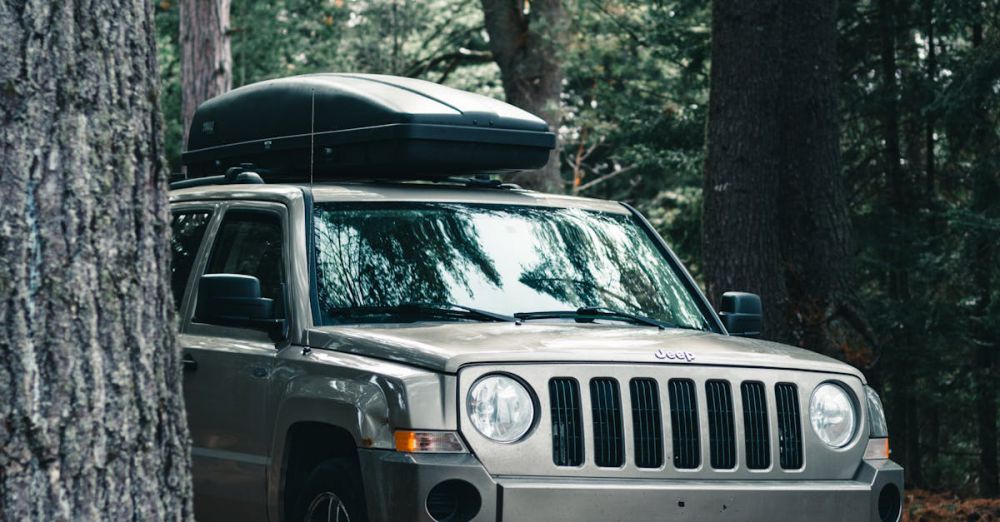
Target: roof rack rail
{"x":241,"y":175}
{"x":483,"y":181}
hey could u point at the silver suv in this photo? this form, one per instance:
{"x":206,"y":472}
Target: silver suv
{"x":464,"y":350}
{"x":405,"y":351}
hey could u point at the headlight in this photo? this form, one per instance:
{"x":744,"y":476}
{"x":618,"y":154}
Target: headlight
{"x":501,"y":408}
{"x":876,"y":414}
{"x":831,"y":412}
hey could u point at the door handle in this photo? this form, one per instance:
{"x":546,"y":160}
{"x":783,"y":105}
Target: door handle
{"x":189,"y":363}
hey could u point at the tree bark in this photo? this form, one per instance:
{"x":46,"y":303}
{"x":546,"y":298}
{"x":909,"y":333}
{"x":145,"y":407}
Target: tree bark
{"x":526,"y":44}
{"x":206,"y":59}
{"x":740,"y":223}
{"x":92,"y":422}
{"x":775,"y":216}
{"x":815,"y":233}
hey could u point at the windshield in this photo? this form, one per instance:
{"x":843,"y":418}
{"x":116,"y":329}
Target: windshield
{"x":499,"y":259}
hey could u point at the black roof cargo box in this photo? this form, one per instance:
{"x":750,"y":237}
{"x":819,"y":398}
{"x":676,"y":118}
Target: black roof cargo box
{"x":362,"y":125}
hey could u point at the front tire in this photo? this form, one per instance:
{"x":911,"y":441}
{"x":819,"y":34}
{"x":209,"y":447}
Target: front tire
{"x":332,"y":493}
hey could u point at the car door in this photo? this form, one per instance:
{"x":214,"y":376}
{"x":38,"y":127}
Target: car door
{"x":227,"y":369}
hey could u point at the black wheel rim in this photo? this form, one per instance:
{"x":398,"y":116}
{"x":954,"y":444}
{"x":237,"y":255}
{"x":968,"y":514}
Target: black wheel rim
{"x":327,"y":507}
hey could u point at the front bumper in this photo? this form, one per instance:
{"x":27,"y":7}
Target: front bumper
{"x":397,"y":485}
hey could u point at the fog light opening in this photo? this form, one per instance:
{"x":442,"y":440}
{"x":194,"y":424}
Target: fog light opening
{"x":453,"y":501}
{"x":889,"y":503}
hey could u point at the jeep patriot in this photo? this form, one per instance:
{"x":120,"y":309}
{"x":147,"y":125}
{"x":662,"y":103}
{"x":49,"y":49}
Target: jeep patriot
{"x":420,"y":347}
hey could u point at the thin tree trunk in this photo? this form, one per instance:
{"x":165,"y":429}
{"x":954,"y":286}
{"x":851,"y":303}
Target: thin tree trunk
{"x":92,"y":422}
{"x":206,"y":59}
{"x":901,"y":198}
{"x":526,"y":43}
{"x":902,"y":209}
{"x":983,"y":262}
{"x":932,"y":413}
{"x":930,"y":167}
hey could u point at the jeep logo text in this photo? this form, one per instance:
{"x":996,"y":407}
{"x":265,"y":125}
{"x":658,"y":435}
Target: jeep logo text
{"x":675,"y":356}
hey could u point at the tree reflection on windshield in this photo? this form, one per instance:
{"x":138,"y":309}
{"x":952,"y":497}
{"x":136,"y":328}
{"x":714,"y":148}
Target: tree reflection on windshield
{"x":504,"y":259}
{"x":386,"y":257}
{"x":589,"y":257}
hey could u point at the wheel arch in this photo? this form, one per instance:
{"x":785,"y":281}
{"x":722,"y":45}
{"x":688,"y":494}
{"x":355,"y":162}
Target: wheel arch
{"x":310,"y":430}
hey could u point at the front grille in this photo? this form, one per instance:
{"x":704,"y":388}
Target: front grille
{"x":684,"y":420}
{"x":755,"y":429}
{"x":721,"y":429}
{"x":567,"y":425}
{"x":605,"y":403}
{"x":647,"y":417}
{"x":647,"y":425}
{"x":789,"y":430}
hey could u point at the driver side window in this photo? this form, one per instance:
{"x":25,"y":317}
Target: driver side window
{"x":249,"y":242}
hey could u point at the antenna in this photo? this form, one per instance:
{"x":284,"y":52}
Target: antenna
{"x":312,"y":137}
{"x":312,"y":160}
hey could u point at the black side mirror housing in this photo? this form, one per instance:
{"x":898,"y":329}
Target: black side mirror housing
{"x":741,"y":314}
{"x":235,"y":300}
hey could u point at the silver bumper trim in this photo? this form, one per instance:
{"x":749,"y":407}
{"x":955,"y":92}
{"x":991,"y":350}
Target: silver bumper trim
{"x":397,"y":485}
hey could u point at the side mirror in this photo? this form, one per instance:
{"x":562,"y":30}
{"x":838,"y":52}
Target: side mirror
{"x":235,"y":300}
{"x":741,"y":314}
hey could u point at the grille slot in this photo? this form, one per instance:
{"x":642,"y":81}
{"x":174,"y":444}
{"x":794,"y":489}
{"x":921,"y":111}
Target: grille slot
{"x":721,"y":429}
{"x":647,"y":425}
{"x":789,"y":431}
{"x":684,"y":423}
{"x":567,"y":429}
{"x":609,"y":443}
{"x":755,"y":429}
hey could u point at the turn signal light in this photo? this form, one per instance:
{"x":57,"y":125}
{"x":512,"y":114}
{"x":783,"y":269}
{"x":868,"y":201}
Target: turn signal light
{"x":429,"y":442}
{"x":878,"y":449}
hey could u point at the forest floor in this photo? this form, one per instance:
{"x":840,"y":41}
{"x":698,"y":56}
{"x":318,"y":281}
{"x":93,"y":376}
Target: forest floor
{"x":926,"y":506}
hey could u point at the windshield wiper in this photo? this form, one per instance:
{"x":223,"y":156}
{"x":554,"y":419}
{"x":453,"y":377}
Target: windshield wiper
{"x":439,"y":310}
{"x":588,"y":314}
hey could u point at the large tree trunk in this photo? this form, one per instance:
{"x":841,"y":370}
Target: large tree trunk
{"x":812,"y":203}
{"x":526,"y":46}
{"x":92,"y":422}
{"x":740,"y":223}
{"x":775,"y":217}
{"x":206,"y":60}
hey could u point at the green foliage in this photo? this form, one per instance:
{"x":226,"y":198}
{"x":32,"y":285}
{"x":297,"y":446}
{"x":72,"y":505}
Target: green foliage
{"x":917,"y":258}
{"x":438,"y":40}
{"x":169,"y":57}
{"x":635,"y":106}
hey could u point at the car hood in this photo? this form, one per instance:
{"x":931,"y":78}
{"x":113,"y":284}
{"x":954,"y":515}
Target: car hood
{"x":446,"y":347}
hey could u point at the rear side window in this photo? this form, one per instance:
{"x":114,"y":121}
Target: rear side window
{"x":249,"y":243}
{"x":188,"y":229}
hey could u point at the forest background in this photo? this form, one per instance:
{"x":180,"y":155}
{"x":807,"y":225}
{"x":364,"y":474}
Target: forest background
{"x":914,"y":157}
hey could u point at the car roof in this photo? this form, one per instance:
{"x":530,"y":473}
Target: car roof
{"x":369,"y":191}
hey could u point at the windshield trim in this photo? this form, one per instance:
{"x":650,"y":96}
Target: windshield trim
{"x":407,"y":192}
